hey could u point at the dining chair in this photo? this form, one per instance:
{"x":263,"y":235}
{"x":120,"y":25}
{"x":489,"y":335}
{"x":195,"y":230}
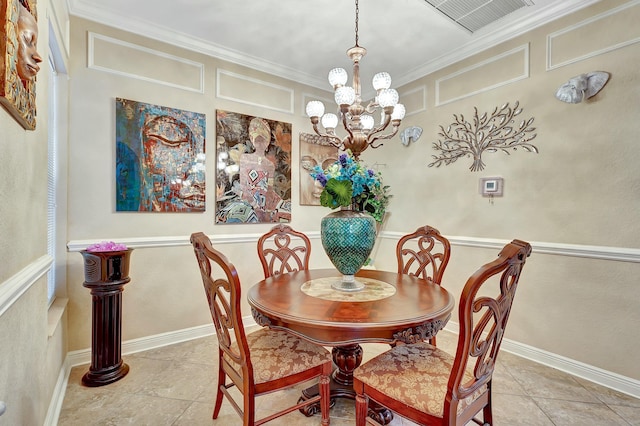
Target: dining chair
{"x":283,"y":250}
{"x":260,"y":362}
{"x":432,"y":387}
{"x":425,"y":254}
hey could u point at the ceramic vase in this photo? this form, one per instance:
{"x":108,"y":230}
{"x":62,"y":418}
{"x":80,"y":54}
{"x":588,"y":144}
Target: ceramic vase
{"x":348,"y":238}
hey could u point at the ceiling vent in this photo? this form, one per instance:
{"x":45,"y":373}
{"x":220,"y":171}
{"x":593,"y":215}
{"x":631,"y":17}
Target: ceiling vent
{"x":475,"y":14}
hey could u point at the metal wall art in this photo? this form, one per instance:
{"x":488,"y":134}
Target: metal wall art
{"x":486,"y":133}
{"x":19,"y":61}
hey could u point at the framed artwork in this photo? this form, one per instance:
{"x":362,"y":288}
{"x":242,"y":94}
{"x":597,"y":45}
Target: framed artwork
{"x":315,"y":150}
{"x":20,"y":59}
{"x":253,"y":169}
{"x":160,"y":158}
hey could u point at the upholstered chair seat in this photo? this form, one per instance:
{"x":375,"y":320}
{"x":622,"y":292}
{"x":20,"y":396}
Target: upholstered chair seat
{"x":278,"y":354}
{"x":415,"y":375}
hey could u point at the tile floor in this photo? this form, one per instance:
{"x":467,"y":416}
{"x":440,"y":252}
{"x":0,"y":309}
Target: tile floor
{"x":175,"y":385}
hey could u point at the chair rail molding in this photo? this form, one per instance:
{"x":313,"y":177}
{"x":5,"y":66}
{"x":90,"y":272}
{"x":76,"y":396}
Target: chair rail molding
{"x":621,"y":254}
{"x":17,"y":285}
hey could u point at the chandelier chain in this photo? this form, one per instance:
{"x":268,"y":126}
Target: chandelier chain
{"x":357,"y":12}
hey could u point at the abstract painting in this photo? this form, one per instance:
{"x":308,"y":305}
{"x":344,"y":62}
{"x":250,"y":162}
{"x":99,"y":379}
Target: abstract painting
{"x":314,"y":151}
{"x":253,"y":169}
{"x":160,"y":158}
{"x":19,"y":62}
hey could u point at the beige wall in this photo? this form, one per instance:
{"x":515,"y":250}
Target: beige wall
{"x":30,"y":359}
{"x":580,"y":190}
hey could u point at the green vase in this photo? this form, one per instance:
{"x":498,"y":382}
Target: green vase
{"x":348,"y":237}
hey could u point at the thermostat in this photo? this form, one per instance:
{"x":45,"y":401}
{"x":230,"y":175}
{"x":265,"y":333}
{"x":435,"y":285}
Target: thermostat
{"x":491,"y":186}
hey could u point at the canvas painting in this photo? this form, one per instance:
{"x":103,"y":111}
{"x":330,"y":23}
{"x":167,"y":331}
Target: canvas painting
{"x":20,"y":59}
{"x":253,"y":169}
{"x":315,"y":150}
{"x":160,"y":158}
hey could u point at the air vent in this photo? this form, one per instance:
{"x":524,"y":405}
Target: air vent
{"x":475,"y":14}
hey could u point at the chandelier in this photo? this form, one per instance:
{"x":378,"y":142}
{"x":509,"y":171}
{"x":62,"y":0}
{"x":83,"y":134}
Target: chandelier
{"x":356,"y":119}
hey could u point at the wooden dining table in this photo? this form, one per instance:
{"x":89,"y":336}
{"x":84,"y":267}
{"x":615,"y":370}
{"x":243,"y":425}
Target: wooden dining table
{"x":392,"y":308}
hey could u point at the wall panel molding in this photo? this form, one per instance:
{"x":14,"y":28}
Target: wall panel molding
{"x":514,"y":61}
{"x":619,"y":254}
{"x":17,"y":285}
{"x":252,"y":91}
{"x":415,"y":100}
{"x":607,"y":40}
{"x":109,"y":54}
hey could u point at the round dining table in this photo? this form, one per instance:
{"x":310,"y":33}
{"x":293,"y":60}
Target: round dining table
{"x":392,"y":308}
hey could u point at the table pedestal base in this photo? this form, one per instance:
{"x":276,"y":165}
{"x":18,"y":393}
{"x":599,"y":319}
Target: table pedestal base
{"x":347,"y":358}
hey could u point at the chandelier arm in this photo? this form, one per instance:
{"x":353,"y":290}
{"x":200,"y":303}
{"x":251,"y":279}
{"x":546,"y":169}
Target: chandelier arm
{"x":382,"y":126}
{"x":333,"y":139}
{"x":388,"y":136}
{"x":345,"y":124}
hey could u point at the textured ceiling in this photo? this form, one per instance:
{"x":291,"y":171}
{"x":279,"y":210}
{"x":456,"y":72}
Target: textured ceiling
{"x":303,"y":40}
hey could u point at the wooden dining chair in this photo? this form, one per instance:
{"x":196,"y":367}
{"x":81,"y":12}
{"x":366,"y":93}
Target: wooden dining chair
{"x":283,"y":250}
{"x":424,"y":254}
{"x":430,"y":386}
{"x":260,"y":362}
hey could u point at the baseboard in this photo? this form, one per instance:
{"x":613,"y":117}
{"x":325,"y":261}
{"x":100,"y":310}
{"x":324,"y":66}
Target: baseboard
{"x":55,"y":405}
{"x":588,"y":372}
{"x":83,"y":356}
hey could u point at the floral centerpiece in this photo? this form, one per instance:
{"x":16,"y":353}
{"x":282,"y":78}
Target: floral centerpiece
{"x":347,"y":182}
{"x":349,"y":234}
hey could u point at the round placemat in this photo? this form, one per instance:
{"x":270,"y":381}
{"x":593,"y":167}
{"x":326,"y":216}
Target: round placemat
{"x":373,"y":290}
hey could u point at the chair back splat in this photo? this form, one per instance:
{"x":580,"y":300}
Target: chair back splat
{"x":260,"y":362}
{"x":424,"y":254}
{"x":431,"y":387}
{"x":283,"y":250}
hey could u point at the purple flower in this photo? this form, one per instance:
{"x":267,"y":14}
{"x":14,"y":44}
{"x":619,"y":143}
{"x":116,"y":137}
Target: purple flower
{"x":343,"y":159}
{"x":106,"y":246}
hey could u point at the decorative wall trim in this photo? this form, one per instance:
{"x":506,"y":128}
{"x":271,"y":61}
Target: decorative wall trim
{"x":288,"y":92}
{"x":420,"y":94}
{"x":182,"y":63}
{"x":17,"y":285}
{"x":594,"y":19}
{"x":524,"y":50}
{"x":597,"y":375}
{"x":620,"y":254}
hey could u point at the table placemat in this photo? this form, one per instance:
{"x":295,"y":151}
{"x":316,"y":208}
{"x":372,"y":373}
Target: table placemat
{"x":373,"y":290}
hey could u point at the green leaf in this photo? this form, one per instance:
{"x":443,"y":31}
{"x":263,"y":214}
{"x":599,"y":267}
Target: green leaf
{"x":336,"y":193}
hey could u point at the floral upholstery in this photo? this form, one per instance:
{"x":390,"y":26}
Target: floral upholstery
{"x":415,"y":375}
{"x":277,"y":354}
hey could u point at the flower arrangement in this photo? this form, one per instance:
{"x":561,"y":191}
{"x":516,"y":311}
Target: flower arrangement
{"x":347,"y":182}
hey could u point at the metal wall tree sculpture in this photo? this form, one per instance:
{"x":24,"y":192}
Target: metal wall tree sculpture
{"x":486,"y":133}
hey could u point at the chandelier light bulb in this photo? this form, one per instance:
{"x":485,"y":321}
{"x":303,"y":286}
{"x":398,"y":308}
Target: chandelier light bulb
{"x":398,"y":112}
{"x":338,"y":77}
{"x":388,"y":97}
{"x":345,"y":95}
{"x":329,"y":121}
{"x":315,"y":109}
{"x":382,"y":80}
{"x":367,"y":122}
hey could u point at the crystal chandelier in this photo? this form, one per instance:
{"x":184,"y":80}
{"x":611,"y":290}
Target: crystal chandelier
{"x":356,"y":119}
